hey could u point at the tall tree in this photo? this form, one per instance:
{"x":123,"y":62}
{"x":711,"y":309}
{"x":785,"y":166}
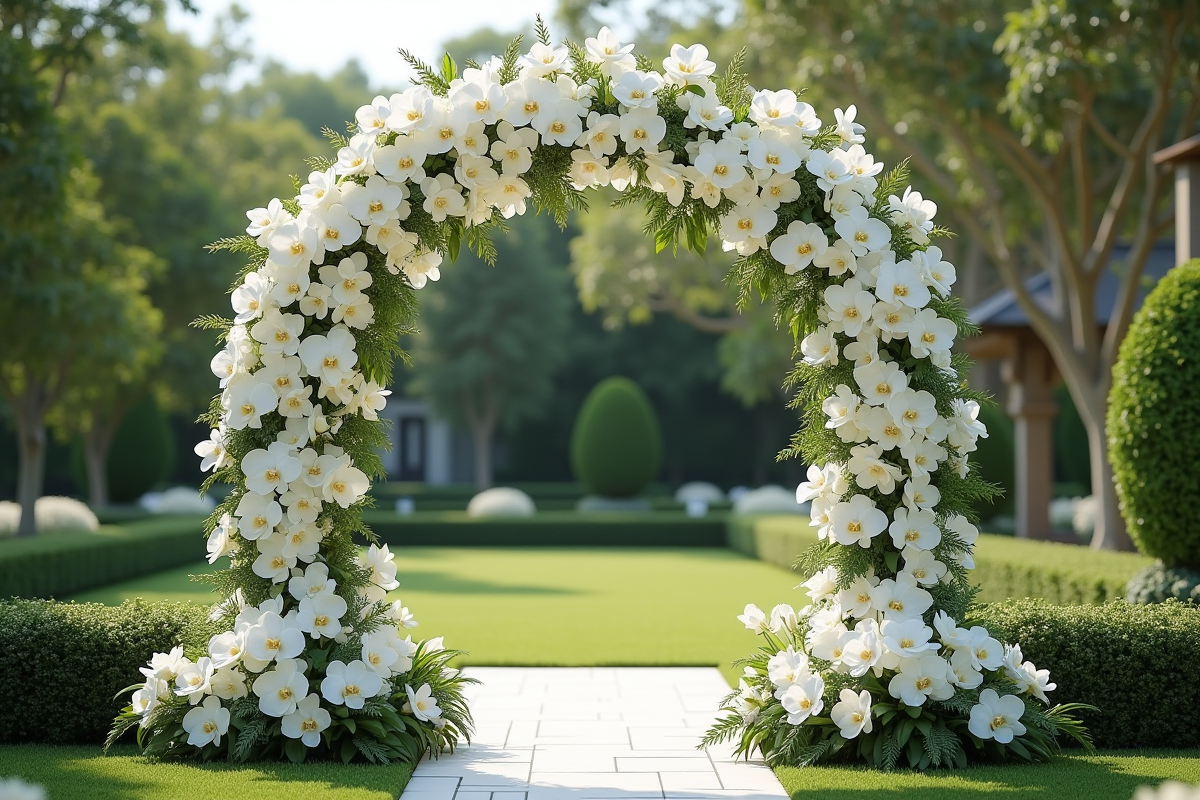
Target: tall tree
{"x":1037,"y":119}
{"x":493,"y":336}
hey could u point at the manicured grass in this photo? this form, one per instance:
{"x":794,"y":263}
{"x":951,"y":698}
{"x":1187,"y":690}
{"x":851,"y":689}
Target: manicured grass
{"x":1108,"y":776}
{"x":562,"y":606}
{"x":72,"y":773}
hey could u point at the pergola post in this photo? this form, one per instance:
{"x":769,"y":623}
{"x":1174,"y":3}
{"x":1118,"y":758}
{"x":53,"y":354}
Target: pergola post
{"x":1029,"y":373}
{"x":1184,"y":157}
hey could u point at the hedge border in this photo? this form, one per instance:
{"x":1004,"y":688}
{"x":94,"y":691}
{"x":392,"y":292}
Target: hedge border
{"x":61,"y":564}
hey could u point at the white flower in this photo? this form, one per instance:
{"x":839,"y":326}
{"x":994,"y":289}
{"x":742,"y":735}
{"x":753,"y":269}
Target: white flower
{"x":164,"y":666}
{"x":687,"y":65}
{"x":307,"y":721}
{"x":422,"y":704}
{"x":754,"y":619}
{"x":278,"y":332}
{"x":313,"y":581}
{"x":871,"y":470}
{"x":270,"y":470}
{"x":331,"y":357}
{"x":600,"y":137}
{"x":799,"y":246}
{"x":350,"y":684}
{"x":410,"y":110}
{"x":379,"y":652}
{"x":263,"y":221}
{"x":936,"y":273}
{"x":257,"y":515}
{"x":403,"y":160}
{"x":866,"y":234}
{"x":913,"y":213}
{"x":775,"y":108}
{"x":908,"y":638}
{"x":508,"y":194}
{"x":706,"y":112}
{"x":382,"y":569}
{"x":900,"y":283}
{"x":606,"y":50}
{"x":862,"y":648}
{"x":803,"y":699}
{"x":965,"y":674}
{"x":443,"y":197}
{"x":780,"y":188}
{"x":1026,"y":675}
{"x":272,"y":638}
{"x":220,"y":540}
{"x":879,"y":381}
{"x":249,"y":298}
{"x":345,"y":486}
{"x":273,"y":563}
{"x":348,"y":279}
{"x":819,"y":347}
{"x":918,"y":493}
{"x":642,"y":129}
{"x":842,"y":410}
{"x":373,"y":117}
{"x":928,"y":333}
{"x":997,"y":717}
{"x":855,"y":599}
{"x":587,"y":170}
{"x":923,"y":456}
{"x":293,"y":244}
{"x":838,"y":259}
{"x":356,"y":157}
{"x":513,"y":148}
{"x":721,"y":163}
{"x":375,"y":202}
{"x":482,"y":98}
{"x":321,"y":191}
{"x":228,"y":683}
{"x":901,"y":598}
{"x":290,"y":283}
{"x":321,"y":615}
{"x":949,"y":633}
{"x":920,"y":679}
{"x":301,"y":541}
{"x":226,"y":649}
{"x":856,"y":521}
{"x":280,"y":690}
{"x":423,"y":268}
{"x":966,"y":427}
{"x":852,"y":713}
{"x":212,"y":451}
{"x":192,"y":680}
{"x":747,"y":223}
{"x":845,"y":126}
{"x":475,"y":171}
{"x":922,"y":565}
{"x":892,"y":320}
{"x":986,"y":652}
{"x":914,"y":411}
{"x":206,"y":723}
{"x":848,"y":306}
{"x":883,"y":429}
{"x":821,"y":482}
{"x":824,"y":583}
{"x":543,"y":60}
{"x":783,"y":617}
{"x":917,"y":529}
{"x":831,"y":170}
{"x":335,"y":229}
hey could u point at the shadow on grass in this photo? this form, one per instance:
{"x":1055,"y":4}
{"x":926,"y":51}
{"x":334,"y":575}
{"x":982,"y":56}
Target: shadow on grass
{"x":1114,"y":775}
{"x":448,"y":583}
{"x":69,"y":773}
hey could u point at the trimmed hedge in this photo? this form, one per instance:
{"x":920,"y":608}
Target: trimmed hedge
{"x":549,"y":529}
{"x":62,"y":664}
{"x":1140,"y":665}
{"x":59,"y":564}
{"x":616,"y":446}
{"x":1005,"y":567}
{"x":1152,"y":410}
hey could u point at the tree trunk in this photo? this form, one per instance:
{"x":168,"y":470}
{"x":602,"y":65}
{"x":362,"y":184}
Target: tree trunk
{"x":481,"y":414}
{"x":482,"y":436}
{"x":31,"y":446}
{"x":96,"y":444}
{"x":1110,"y":533}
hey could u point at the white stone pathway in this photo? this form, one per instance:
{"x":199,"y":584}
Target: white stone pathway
{"x":600,"y":733}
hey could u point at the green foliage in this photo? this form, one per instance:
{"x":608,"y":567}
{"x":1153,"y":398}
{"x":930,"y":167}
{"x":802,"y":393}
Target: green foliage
{"x":1157,"y":584}
{"x":996,"y":459}
{"x":1139,"y":665}
{"x":142,"y":453}
{"x":63,"y":664}
{"x":616,"y":446}
{"x":64,"y":563}
{"x":1152,"y":412}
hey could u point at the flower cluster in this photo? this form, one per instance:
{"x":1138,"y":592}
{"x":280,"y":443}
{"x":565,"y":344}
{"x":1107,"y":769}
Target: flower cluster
{"x":312,"y":647}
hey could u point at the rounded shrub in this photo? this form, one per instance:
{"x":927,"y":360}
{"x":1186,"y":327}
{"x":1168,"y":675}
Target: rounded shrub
{"x":1158,"y":584}
{"x":996,"y":458}
{"x":1153,"y":406}
{"x":142,"y":452}
{"x":616,"y":446}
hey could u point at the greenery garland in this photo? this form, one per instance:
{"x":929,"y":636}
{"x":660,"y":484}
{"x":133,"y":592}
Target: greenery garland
{"x":313,"y":659}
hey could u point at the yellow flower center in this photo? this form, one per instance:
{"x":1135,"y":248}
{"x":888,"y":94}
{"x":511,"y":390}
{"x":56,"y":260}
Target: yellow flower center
{"x":321,"y":620}
{"x":260,"y":522}
{"x":928,"y":338}
{"x":405,"y":162}
{"x":923,"y":683}
{"x":851,"y":313}
{"x":772,"y":159}
{"x":998,"y":721}
{"x":282,"y":335}
{"x":906,"y":642}
{"x":333,"y":233}
{"x":910,"y":415}
{"x":854,"y":527}
{"x":375,"y":206}
{"x":339,"y":487}
{"x":531,"y":106}
{"x":272,"y":644}
{"x":891,"y":430}
{"x":296,"y":248}
{"x":285,"y":693}
{"x":896,"y":605}
{"x":558,"y":127}
{"x":209,"y":727}
{"x":308,"y":725}
{"x":804,"y":249}
{"x":482,"y":105}
{"x":805,"y":704}
{"x":745,"y":224}
{"x":637,"y":94}
{"x":912,"y":536}
{"x":860,"y":236}
{"x":272,"y":474}
{"x":247,"y":409}
{"x":900,"y":291}
{"x":330,"y":362}
{"x":883,"y":388}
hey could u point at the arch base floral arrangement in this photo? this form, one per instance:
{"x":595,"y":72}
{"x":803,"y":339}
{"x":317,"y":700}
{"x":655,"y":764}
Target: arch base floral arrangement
{"x":881,"y":666}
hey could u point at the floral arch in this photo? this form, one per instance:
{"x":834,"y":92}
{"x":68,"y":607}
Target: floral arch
{"x":881,"y":666}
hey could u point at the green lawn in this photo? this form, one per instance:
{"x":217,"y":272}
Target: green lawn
{"x":75,"y":773}
{"x":1108,"y":776}
{"x":562,"y":606}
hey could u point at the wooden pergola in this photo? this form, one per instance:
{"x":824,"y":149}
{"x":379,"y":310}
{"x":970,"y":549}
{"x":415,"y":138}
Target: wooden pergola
{"x":1030,"y":376}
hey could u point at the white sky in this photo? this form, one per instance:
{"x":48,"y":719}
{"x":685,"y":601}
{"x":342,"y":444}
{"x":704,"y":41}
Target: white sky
{"x":321,"y":35}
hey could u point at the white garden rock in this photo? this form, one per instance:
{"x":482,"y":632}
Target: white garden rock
{"x":701,"y":491}
{"x":501,"y":501}
{"x":768,"y":500}
{"x":50,"y":514}
{"x":177,"y":500}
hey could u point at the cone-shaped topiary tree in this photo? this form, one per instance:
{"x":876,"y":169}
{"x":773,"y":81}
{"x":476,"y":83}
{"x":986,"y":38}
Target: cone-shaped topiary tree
{"x":616,"y":446}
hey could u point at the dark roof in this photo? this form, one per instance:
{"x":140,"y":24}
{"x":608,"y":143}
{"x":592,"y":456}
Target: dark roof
{"x":1002,"y":309}
{"x":1187,"y":149}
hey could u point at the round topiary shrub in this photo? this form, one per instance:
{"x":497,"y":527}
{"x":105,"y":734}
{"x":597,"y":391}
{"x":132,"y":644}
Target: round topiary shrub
{"x":1152,"y":411}
{"x":1158,"y":584}
{"x":616,"y":447}
{"x":996,"y":457}
{"x":142,"y":452}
